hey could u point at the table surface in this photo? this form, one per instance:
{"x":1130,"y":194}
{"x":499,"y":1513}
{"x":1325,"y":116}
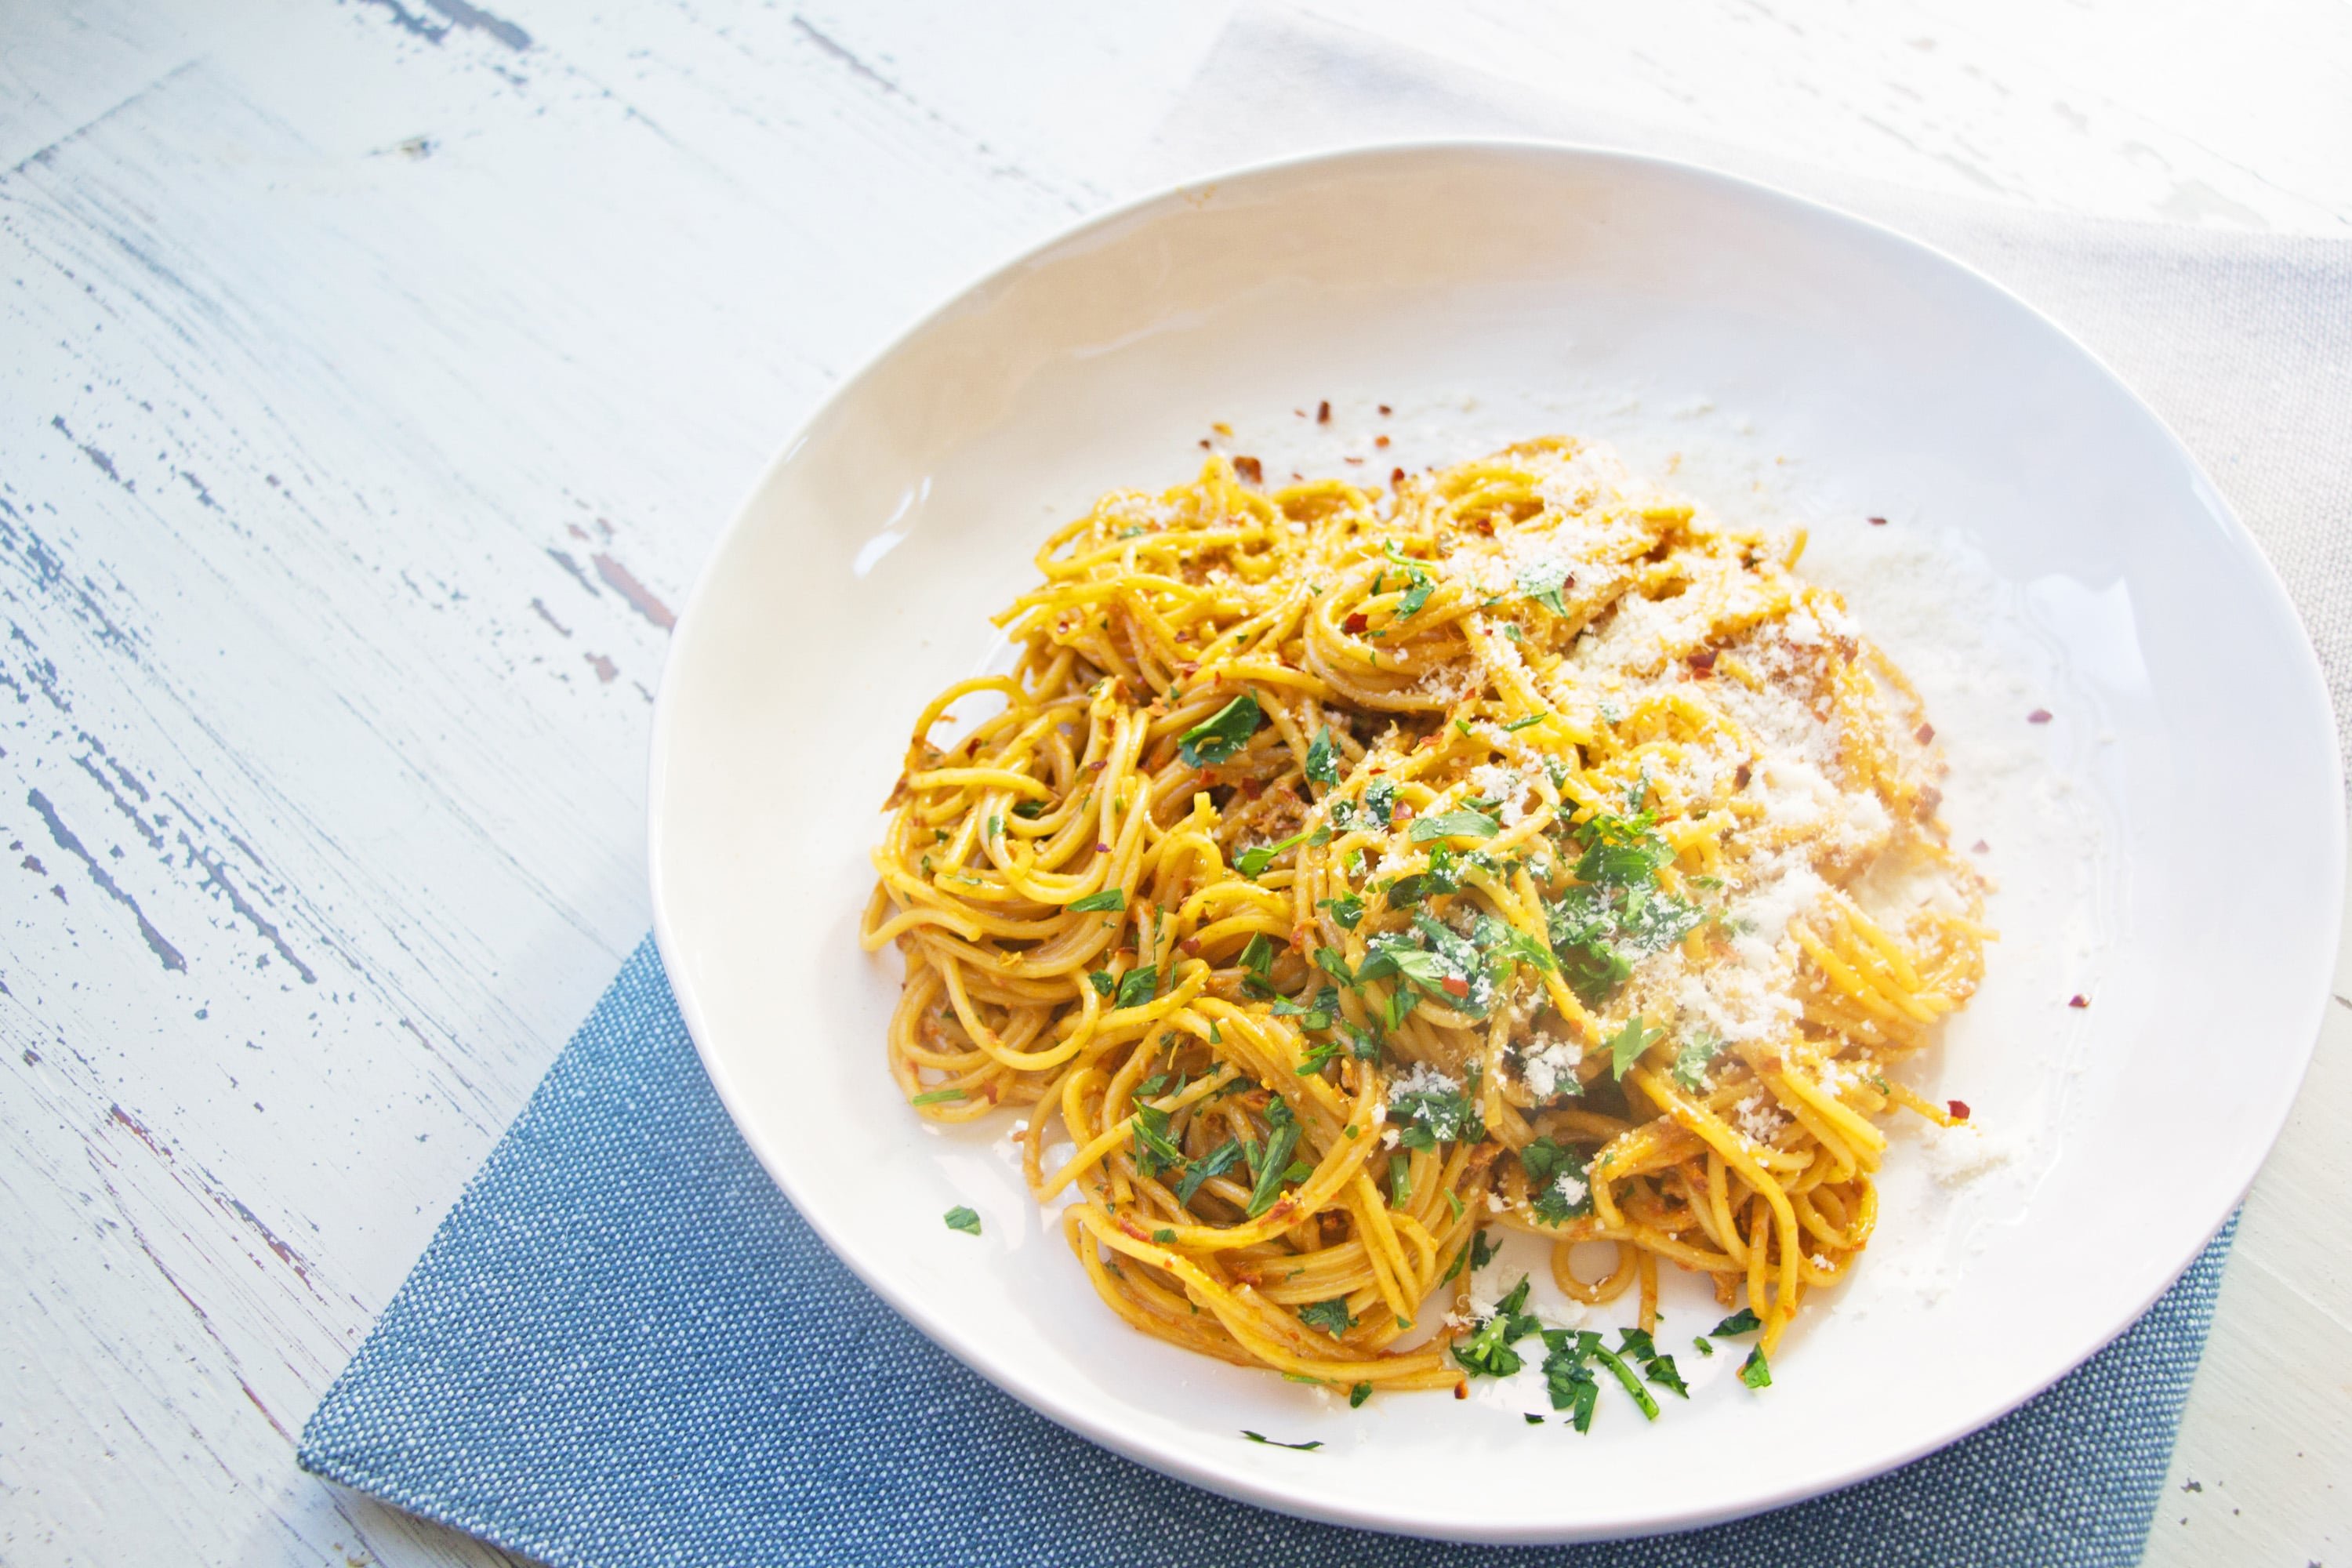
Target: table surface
{"x":377,"y":373}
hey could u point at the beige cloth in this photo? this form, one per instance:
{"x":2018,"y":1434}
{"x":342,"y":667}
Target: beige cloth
{"x":2242,"y":343}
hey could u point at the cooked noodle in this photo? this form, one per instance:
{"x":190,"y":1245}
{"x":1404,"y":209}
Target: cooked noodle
{"x":1344,"y":871}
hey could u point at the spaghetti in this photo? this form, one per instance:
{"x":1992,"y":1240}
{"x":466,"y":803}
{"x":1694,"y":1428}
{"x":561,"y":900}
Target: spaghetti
{"x":1347,"y":870}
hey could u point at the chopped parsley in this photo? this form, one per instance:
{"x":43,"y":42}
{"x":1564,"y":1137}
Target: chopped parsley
{"x":1163,"y":1235}
{"x":1756,"y":1372}
{"x":1282,"y":1138}
{"x":1380,"y":799}
{"x":1154,"y":1150}
{"x":1322,"y":759}
{"x":1358,"y":1394}
{"x":1227,"y":730}
{"x":1488,"y":1352}
{"x":1112,"y":899}
{"x":1258,"y":956}
{"x":1699,"y":1053}
{"x":1461,"y":824}
{"x":1137,"y":987}
{"x":1483,"y":1250}
{"x":1625,"y":1047}
{"x":1638,"y":1346}
{"x":1400,"y":1179}
{"x":1346,"y":910}
{"x":1546,"y":1163}
{"x":1433,"y":1116}
{"x":1543,"y":585}
{"x":1567,"y":1378}
{"x":1332,"y":1316}
{"x":1625,"y":1376}
{"x":1029,"y":810}
{"x":963,"y":1219}
{"x":938,"y":1097}
{"x":1416,"y":596}
{"x":1216,"y":1163}
{"x":1516,"y":725}
{"x":1101,"y":981}
{"x":1743,"y":1321}
{"x":1253,"y":861}
{"x":1277,"y":1443}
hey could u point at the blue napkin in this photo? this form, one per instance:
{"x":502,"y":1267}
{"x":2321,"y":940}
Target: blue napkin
{"x":624,"y":1348}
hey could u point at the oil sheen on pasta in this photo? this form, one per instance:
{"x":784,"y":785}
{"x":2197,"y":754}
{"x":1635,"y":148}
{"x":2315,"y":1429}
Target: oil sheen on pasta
{"x":1347,"y":870}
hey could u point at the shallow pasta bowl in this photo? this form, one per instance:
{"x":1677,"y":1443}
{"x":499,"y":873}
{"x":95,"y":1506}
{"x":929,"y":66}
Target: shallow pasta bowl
{"x":1484,"y":291}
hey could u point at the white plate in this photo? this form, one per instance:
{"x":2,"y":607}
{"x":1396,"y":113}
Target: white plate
{"x":2170,"y":846}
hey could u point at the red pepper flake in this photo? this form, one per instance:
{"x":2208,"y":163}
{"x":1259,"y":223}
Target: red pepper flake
{"x":1980,"y":848}
{"x":1204,"y":443}
{"x":1461,"y":1391}
{"x":1385,"y":409}
{"x":1357,"y":461}
{"x":1401,"y":813}
{"x":1323,"y":411}
{"x":1742,"y":775}
{"x":1702,"y":664}
{"x":2078,"y":1000}
{"x":1455,"y":986}
{"x":1354,"y":624}
{"x":1957,"y":1109}
{"x":1878,"y":522}
{"x":1396,"y":476}
{"x":1923,"y":733}
{"x":1252,"y":787}
{"x":1382,"y":441}
{"x":2039,"y":716}
{"x":1251,"y":470}
{"x":1191,"y":946}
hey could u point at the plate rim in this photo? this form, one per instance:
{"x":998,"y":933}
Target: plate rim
{"x":1242,"y":1484}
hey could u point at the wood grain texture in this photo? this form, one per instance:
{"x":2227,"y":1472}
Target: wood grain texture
{"x":379,"y":371}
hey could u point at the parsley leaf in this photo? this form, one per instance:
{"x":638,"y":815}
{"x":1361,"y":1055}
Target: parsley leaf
{"x":1110,"y":899}
{"x":1216,"y":1163}
{"x":1625,"y":1047}
{"x":1332,"y":1316}
{"x":1483,"y":1249}
{"x":1566,"y":1377}
{"x":1692,"y":1061}
{"x":1358,"y":1394}
{"x":1154,"y":1150}
{"x":1346,"y":910}
{"x":1380,"y":799}
{"x":1743,"y":1321}
{"x":1461,"y":824}
{"x":963,"y":1219}
{"x":1433,"y":1116}
{"x":1282,"y":1138}
{"x":1415,"y":597}
{"x":1543,"y":585}
{"x":1277,"y":1443}
{"x":1029,"y":810}
{"x":1258,"y":956}
{"x":1756,"y":1372}
{"x":1224,"y":734}
{"x":1548,"y":1165}
{"x":1253,"y":861}
{"x":1322,"y":759}
{"x":1488,"y":1351}
{"x":1101,"y":981}
{"x":1137,"y":987}
{"x":938,"y":1096}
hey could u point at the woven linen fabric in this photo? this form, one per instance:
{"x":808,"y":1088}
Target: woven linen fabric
{"x":624,"y":1348}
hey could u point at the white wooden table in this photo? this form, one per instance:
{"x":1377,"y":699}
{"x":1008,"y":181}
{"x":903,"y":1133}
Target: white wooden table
{"x":376,"y":373}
